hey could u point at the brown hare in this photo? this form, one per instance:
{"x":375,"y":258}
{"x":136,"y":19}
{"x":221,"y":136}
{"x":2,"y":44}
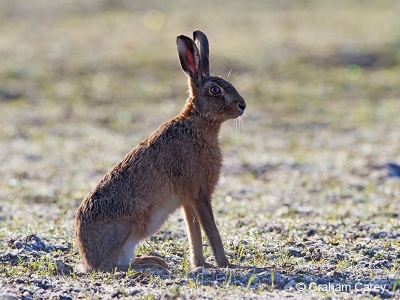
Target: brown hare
{"x":177,"y":166}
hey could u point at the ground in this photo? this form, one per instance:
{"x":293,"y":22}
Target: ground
{"x":305,"y":206}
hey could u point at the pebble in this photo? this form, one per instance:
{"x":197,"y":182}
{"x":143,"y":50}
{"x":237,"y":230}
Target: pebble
{"x":62,"y":268}
{"x":255,"y":280}
{"x":205,"y":272}
{"x":290,"y":285}
{"x":295,"y":252}
{"x":8,"y":296}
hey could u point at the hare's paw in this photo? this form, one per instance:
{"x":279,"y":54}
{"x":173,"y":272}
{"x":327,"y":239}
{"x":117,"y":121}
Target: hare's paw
{"x":211,"y":266}
{"x":208,"y":266}
{"x":203,"y":265}
{"x":150,"y":261}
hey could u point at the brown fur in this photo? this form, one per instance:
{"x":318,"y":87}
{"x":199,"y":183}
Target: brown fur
{"x":177,"y":166}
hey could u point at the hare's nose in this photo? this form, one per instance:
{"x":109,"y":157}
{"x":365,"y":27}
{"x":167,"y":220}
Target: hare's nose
{"x":241,"y":106}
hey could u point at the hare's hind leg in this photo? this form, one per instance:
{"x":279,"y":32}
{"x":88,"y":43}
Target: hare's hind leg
{"x":141,"y":263}
{"x":128,"y":252}
{"x":128,"y":260}
{"x":149,"y":261}
{"x":100,"y":244}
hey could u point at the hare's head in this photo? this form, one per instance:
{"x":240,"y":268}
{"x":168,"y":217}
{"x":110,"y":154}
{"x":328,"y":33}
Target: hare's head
{"x":212,"y":98}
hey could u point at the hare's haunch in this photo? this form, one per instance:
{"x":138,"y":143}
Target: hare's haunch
{"x":177,"y":166}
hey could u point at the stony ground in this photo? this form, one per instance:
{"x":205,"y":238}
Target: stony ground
{"x":307,"y":204}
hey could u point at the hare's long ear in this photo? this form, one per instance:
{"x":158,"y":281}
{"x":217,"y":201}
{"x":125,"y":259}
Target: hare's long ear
{"x":189,"y":57}
{"x":202,"y":44}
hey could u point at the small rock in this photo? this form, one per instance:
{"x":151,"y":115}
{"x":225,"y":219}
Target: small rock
{"x":221,"y":278}
{"x":26,"y":294}
{"x":238,"y":283}
{"x":385,"y":295}
{"x":41,"y":284}
{"x":35,"y":243}
{"x":198,"y":270}
{"x":205,"y":272}
{"x":19,"y":280}
{"x":62,"y":268}
{"x":295,"y":252}
{"x":255,"y":280}
{"x":393,"y":169}
{"x":215,"y":283}
{"x":383,"y":264}
{"x":17,"y":245}
{"x":258,"y":229}
{"x":8,"y":296}
{"x":339,"y":256}
{"x":290,"y":285}
{"x":59,"y":247}
{"x":317,"y":254}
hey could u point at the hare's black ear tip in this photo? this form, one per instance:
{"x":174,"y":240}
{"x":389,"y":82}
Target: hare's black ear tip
{"x":182,"y":39}
{"x":197,"y":33}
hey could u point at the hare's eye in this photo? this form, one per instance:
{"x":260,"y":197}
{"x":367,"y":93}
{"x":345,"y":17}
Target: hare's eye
{"x":215,"y":90}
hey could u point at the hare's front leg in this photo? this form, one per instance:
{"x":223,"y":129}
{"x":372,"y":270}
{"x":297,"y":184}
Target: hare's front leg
{"x":194,"y":234}
{"x":205,"y":214}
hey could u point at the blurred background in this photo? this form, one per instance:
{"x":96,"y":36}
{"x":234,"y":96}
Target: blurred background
{"x":82,"y":82}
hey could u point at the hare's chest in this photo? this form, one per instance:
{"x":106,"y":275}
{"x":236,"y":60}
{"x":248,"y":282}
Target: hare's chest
{"x":210,"y":164}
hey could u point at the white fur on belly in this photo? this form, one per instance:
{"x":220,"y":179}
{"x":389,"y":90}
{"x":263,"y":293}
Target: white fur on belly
{"x":159,"y":214}
{"x":128,"y":251}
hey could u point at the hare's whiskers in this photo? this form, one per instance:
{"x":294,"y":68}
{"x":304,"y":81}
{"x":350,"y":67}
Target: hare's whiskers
{"x":248,"y":116}
{"x":229,"y":73}
{"x":236,"y":127}
{"x":241,"y":124}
